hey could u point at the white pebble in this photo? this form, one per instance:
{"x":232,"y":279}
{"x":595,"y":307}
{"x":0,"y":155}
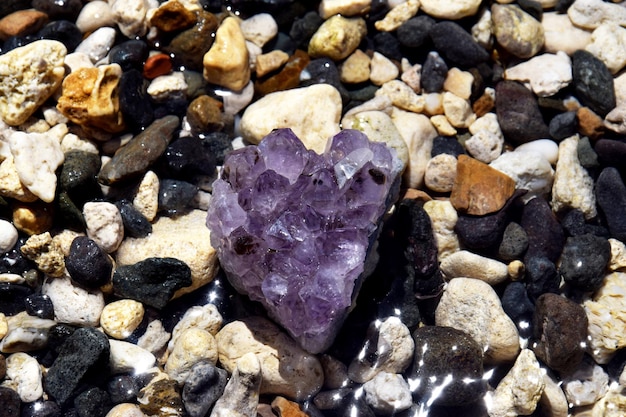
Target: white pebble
{"x":529,"y":169}
{"x":97,"y":45}
{"x":546,"y":147}
{"x":608,"y":43}
{"x":73,"y":304}
{"x":104,"y":224}
{"x":330,"y":8}
{"x":241,"y":394}
{"x":155,"y":338}
{"x":130,"y":16}
{"x":235,"y":101}
{"x":457,"y":110}
{"x":259,"y":28}
{"x":95,"y":14}
{"x":590,"y":14}
{"x":546,"y":74}
{"x":388,"y":393}
{"x":440,"y":173}
{"x":167,"y":87}
{"x":443,"y":217}
{"x":470,"y":265}
{"x":484,"y":146}
{"x":382,"y":69}
{"x":586,"y":385}
{"x":128,"y":357}
{"x":561,"y":35}
{"x":24,"y":371}
{"x":8,"y":236}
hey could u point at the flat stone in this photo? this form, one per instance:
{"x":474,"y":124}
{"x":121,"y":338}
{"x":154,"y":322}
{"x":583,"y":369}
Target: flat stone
{"x":22,"y":23}
{"x":590,"y":14}
{"x":593,"y":83}
{"x":478,"y":188}
{"x":227,"y":62}
{"x":337,"y":37}
{"x":18,"y":100}
{"x":398,"y":14}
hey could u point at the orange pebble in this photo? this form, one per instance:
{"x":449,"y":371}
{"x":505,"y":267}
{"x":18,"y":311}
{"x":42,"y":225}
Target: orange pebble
{"x":156,"y":65}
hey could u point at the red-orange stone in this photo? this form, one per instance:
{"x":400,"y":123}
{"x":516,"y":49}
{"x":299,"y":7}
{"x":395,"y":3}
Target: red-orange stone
{"x":156,"y":65}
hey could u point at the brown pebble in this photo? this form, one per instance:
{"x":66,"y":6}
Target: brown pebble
{"x":288,"y":77}
{"x":286,"y":408}
{"x":483,"y":105}
{"x":479,"y":189}
{"x":22,"y":23}
{"x":589,"y":123}
{"x":413,"y":194}
{"x":156,"y":65}
{"x":204,"y":114}
{"x":33,"y":218}
{"x":172,"y":16}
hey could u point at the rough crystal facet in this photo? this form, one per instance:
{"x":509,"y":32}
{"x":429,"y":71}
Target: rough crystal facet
{"x":295,"y":230}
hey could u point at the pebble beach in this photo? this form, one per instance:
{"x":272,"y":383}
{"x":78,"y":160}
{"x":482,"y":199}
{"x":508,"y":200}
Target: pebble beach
{"x":335,"y":208}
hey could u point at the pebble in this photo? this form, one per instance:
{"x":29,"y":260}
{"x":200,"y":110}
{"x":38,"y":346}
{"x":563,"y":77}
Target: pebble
{"x":32,"y":219}
{"x":543,"y":83}
{"x":205,"y":317}
{"x":22,"y":23}
{"x":402,"y":96}
{"x":356,"y":68}
{"x":88,"y":264}
{"x":92,"y":402}
{"x":24,"y":371}
{"x":311,"y":112}
{"x":40,"y":306}
{"x":595,"y":92}
{"x":473,"y":306}
{"x":618,"y":255}
{"x":202,"y":388}
{"x":337,"y":37}
{"x":457,"y":45}
{"x":562,"y":35}
{"x":611,"y":198}
{"x":443,"y":217}
{"x":104,"y":225}
{"x":135,"y":224}
{"x":94,"y":15}
{"x":190,"y":46}
{"x":78,"y":174}
{"x":382,"y":69}
{"x":584,"y":260}
{"x":434,"y":72}
{"x":518,"y":113}
{"x":269,"y":62}
{"x":418,"y":133}
{"x":514,"y":242}
{"x":84,"y":351}
{"x":130,"y":17}
{"x":415,"y":31}
{"x":452,"y":10}
{"x":167,"y":87}
{"x":553,"y":399}
{"x":560,"y":329}
{"x":519,"y":392}
{"x":192,"y":346}
{"x":478,"y":188}
{"x":440,"y":173}
{"x":388,"y":393}
{"x":487,"y":140}
{"x":545,"y":234}
{"x":603,"y":312}
{"x":388,"y":348}
{"x":227,"y":62}
{"x":458,"y":111}
{"x":607,"y":44}
{"x":122,"y":388}
{"x":72,"y":303}
{"x":590,"y":14}
{"x":46,"y":253}
{"x":328,"y":8}
{"x":470,"y":265}
{"x":287,"y":369}
{"x":541,"y":276}
{"x":127,"y":357}
{"x":152,"y":281}
{"x":444,"y":358}
{"x":120,"y":318}
{"x":171,"y":16}
{"x":517,"y":31}
{"x":459,"y":83}
{"x":586,"y":386}
{"x":21,"y":101}
{"x":25,"y":333}
{"x":259,"y":28}
{"x":241,"y":394}
{"x":10,"y":401}
{"x":98,"y":44}
{"x":161,"y":396}
{"x":183,"y":237}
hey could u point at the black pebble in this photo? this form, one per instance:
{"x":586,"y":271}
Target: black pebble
{"x":175,"y":195}
{"x":63,"y":31}
{"x":135,"y":102}
{"x":593,"y":82}
{"x":448,"y":145}
{"x":457,"y":45}
{"x":78,"y":176}
{"x":611,"y":199}
{"x":574,"y":224}
{"x":88,"y":264}
{"x":135,"y":223}
{"x":40,"y":305}
{"x":41,"y":409}
{"x":13,"y":262}
{"x":545,"y":234}
{"x":415,"y":31}
{"x":187,"y":157}
{"x":563,"y":125}
{"x":584,"y":260}
{"x":92,"y":403}
{"x":541,"y":276}
{"x":434,"y":73}
{"x":129,"y":55}
{"x":13,"y":298}
{"x":56,"y":10}
{"x":514,"y":243}
{"x":218,"y":144}
{"x":324,"y":71}
{"x":122,"y":389}
{"x":481,"y":232}
{"x":388,"y":45}
{"x":10,"y":403}
{"x":303,"y":29}
{"x":611,"y":152}
{"x":587,"y":156}
{"x":518,"y":113}
{"x":518,"y":307}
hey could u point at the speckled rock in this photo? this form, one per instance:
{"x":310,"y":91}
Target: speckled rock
{"x":204,"y":385}
{"x":593,"y":83}
{"x":24,"y":371}
{"x":74,"y":304}
{"x":518,"y":113}
{"x":517,"y":31}
{"x":120,"y":318}
{"x":227,"y":62}
{"x":161,"y":396}
{"x":184,"y":237}
{"x":590,"y":14}
{"x":337,"y":37}
{"x":473,"y":306}
{"x":440,"y":173}
{"x":192,"y":346}
{"x":311,"y":112}
{"x":241,"y":394}
{"x":287,"y":369}
{"x":46,"y":253}
{"x":456,"y":44}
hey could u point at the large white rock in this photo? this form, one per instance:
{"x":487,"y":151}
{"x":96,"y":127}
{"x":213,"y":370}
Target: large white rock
{"x":546,"y":74}
{"x":590,"y":14}
{"x":560,"y":34}
{"x":529,"y":169}
{"x":24,"y":371}
{"x":471,"y":265}
{"x":73,"y":304}
{"x":312,"y":113}
{"x":608,"y":43}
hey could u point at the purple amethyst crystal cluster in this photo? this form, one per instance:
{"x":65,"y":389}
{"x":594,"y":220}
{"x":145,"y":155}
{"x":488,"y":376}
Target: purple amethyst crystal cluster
{"x":295,"y":230}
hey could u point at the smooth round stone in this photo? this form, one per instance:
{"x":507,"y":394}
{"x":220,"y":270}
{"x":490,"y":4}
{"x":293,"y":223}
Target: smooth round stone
{"x":135,"y":224}
{"x":57,"y":10}
{"x":94,"y":402}
{"x":457,"y":45}
{"x":516,"y":31}
{"x":157,"y":65}
{"x":541,"y":276}
{"x":175,"y":195}
{"x":94,"y":15}
{"x":518,"y":113}
{"x":593,"y":82}
{"x":40,"y":305}
{"x":8,"y":236}
{"x":63,"y":31}
{"x":560,"y":329}
{"x":129,"y":54}
{"x":204,"y":114}
{"x":434,"y":73}
{"x":202,"y":388}
{"x":41,"y":409}
{"x":514,"y":242}
{"x":88,"y":264}
{"x":10,"y":401}
{"x":441,"y":351}
{"x":563,"y":125}
{"x":13,"y":298}
{"x":135,"y":102}
{"x":611,"y":198}
{"x":190,"y":156}
{"x":517,"y":305}
{"x":415,"y":31}
{"x":122,"y":389}
{"x":584,"y":260}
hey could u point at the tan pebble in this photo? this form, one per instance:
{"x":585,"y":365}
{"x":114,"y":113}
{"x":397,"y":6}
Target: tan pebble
{"x":172,"y":16}
{"x":516,"y":270}
{"x":193,"y":345}
{"x":4,"y":326}
{"x":266,"y":63}
{"x":444,"y":218}
{"x":204,"y":114}
{"x":46,"y":253}
{"x":459,"y":83}
{"x":286,"y":408}
{"x":433,"y":104}
{"x":120,"y":318}
{"x":382,"y":69}
{"x":356,"y":68}
{"x":337,"y":37}
{"x":227,"y":63}
{"x":10,"y":184}
{"x":412,"y":76}
{"x":562,"y":35}
{"x":458,"y":111}
{"x":589,"y":123}
{"x":618,"y":255}
{"x":34,"y":218}
{"x":440,"y":173}
{"x":485,"y":103}
{"x":64,"y":240}
{"x":443,"y":126}
{"x":470,"y":265}
{"x":413,"y":194}
{"x":330,"y":8}
{"x":402,"y":96}
{"x":450,"y":9}
{"x":125,"y":410}
{"x":146,"y":199}
{"x":517,"y":31}
{"x":398,"y":15}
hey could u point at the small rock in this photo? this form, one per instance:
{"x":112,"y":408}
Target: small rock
{"x":443,"y":217}
{"x":553,"y":398}
{"x":130,"y":17}
{"x":311,"y":112}
{"x":175,"y":195}
{"x":184,"y":237}
{"x":444,"y":358}
{"x":98,"y":44}
{"x":414,"y":32}
{"x":227,"y":62}
{"x":590,"y":14}
{"x":40,"y":305}
{"x":157,"y":65}
{"x":482,"y":30}
{"x":478,"y":188}
{"x":88,"y":264}
{"x":516,"y":31}
{"x":541,"y":276}
{"x":456,"y":44}
{"x":563,"y":125}
{"x":288,"y":77}
{"x":560,"y":329}
{"x":24,"y":371}
{"x":382,"y":69}
{"x":93,"y":402}
{"x":73,"y":304}
{"x":618,"y":255}
{"x":543,"y":83}
{"x":120,"y":318}
{"x":530,"y":170}
{"x":205,"y":317}
{"x":259,"y":29}
{"x":473,"y":306}
{"x":470,"y":265}
{"x":11,"y":402}
{"x":152,"y":281}
{"x":612,"y":402}
{"x":484,"y":145}
{"x":402,"y":96}
{"x":270,"y":61}
{"x":587,"y":385}
{"x":388,"y":393}
{"x":94,"y":15}
{"x":518,"y":113}
{"x":335,"y":372}
{"x":20,"y":100}
{"x":135,"y":224}
{"x":459,"y":83}
{"x":46,"y":253}
{"x":418,"y":134}
{"x":452,"y":10}
{"x":204,"y":385}
{"x":433,"y":73}
{"x":25,"y":333}
{"x":127,"y":357}
{"x":172,"y":16}
{"x":167,"y":87}
{"x":562,"y":35}
{"x":514,"y":242}
{"x":22,"y":23}
{"x":154,"y":338}
{"x":287,"y":369}
{"x":328,"y":8}
{"x":125,"y":410}
{"x":545,"y":234}
{"x":398,"y":14}
{"x":241,"y":394}
{"x":337,"y":37}
{"x":611,"y":198}
{"x":607,"y":44}
{"x":388,"y":348}
{"x":161,"y":396}
{"x":104,"y":225}
{"x":518,"y":393}
{"x":32,"y":219}
{"x":440,"y":173}
{"x":192,"y":346}
{"x":593,"y":83}
{"x":356,"y":68}
{"x":584,"y":260}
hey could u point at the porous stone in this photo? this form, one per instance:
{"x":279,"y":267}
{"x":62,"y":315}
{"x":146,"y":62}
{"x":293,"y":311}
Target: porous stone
{"x":520,"y":390}
{"x":337,"y":37}
{"x":543,"y":83}
{"x":470,"y":265}
{"x":518,"y":113}
{"x":618,"y":255}
{"x":402,"y":96}
{"x":473,"y":306}
{"x":72,"y":303}
{"x":183,"y":237}
{"x":590,"y":14}
{"x":45,"y":253}
{"x":516,"y":31}
{"x":453,"y":10}
{"x":587,"y":385}
{"x":120,"y":318}
{"x":388,"y":393}
{"x":227,"y":62}
{"x":287,"y":369}
{"x":205,"y":317}
{"x":312,"y":113}
{"x":126,"y":357}
{"x":192,"y":346}
{"x":479,"y":189}
{"x":203,"y":387}
{"x":440,"y":173}
{"x":241,"y":394}
{"x":38,"y":78}
{"x":104,"y":225}
{"x":24,"y":371}
{"x":487,"y":140}
{"x":562,"y":35}
{"x":11,"y":401}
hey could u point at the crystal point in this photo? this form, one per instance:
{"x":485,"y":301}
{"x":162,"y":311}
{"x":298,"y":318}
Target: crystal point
{"x":295,"y":230}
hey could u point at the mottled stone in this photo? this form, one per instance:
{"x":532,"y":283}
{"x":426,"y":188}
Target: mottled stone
{"x":514,"y":242}
{"x":73,"y":304}
{"x":190,"y":46}
{"x":172,"y":16}
{"x":24,"y":67}
{"x":120,"y":318}
{"x":205,"y":114}
{"x":227,"y":62}
{"x":608,"y":42}
{"x":104,"y":224}
{"x":593,"y":82}
{"x":130,"y":16}
{"x":543,"y":83}
{"x":516,"y":31}
{"x":440,"y":173}
{"x":241,"y":394}
{"x":337,"y":37}
{"x":22,"y":23}
{"x":204,"y":385}
{"x":584,"y":261}
{"x":192,"y":346}
{"x":161,"y":396}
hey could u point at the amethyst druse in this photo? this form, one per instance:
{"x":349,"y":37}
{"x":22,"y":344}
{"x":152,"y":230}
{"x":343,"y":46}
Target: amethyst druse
{"x":297,"y":231}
